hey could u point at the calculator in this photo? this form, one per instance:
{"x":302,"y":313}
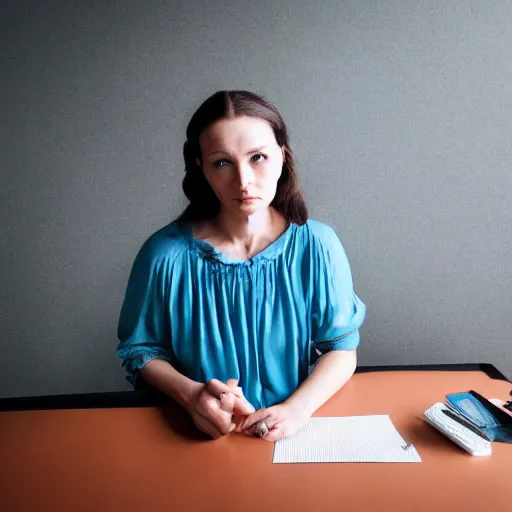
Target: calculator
{"x":455,"y":428}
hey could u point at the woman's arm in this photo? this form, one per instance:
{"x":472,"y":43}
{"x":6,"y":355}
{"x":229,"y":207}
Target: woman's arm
{"x":162,"y":376}
{"x":331,"y":373}
{"x":215,"y":407}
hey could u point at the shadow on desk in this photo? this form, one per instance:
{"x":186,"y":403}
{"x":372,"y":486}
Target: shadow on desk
{"x":181,"y":423}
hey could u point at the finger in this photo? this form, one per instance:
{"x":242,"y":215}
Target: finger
{"x":270,"y":421}
{"x":223,"y":422}
{"x":237,"y":390}
{"x":238,"y":412}
{"x":238,"y":422}
{"x":242,"y":407}
{"x":214,"y":434}
{"x":260,"y":429}
{"x":216,"y":387}
{"x":210,"y":408}
{"x":210,"y":402}
{"x":255,"y":417}
{"x":207,"y":427}
{"x":274,"y":434}
{"x":227,"y":402}
{"x":208,"y":405}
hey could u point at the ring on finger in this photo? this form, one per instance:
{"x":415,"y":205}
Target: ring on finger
{"x":260,"y":429}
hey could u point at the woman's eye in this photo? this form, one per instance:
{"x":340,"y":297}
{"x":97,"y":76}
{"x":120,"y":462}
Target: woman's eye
{"x":220,"y":163}
{"x":258,"y":157}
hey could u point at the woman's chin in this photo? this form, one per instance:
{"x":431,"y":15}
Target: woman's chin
{"x":247,"y":208}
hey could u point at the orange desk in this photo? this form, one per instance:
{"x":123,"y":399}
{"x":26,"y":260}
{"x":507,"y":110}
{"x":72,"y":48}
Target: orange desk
{"x":148,"y":459}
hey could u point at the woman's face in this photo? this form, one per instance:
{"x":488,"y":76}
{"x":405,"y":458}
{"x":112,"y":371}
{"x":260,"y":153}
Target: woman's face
{"x":242,"y":162}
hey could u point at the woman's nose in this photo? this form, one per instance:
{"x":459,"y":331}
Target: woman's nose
{"x":245,"y":175}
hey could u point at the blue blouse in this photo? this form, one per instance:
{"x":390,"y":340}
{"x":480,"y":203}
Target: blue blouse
{"x":258,"y":320}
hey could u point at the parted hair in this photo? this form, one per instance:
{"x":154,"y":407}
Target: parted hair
{"x":204,"y":204}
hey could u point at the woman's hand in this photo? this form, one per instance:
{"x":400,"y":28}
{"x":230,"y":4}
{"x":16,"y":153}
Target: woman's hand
{"x":276,"y":422}
{"x":330,"y":373}
{"x":218,"y":408}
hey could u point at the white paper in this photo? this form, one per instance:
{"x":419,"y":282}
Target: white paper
{"x":346,"y":439}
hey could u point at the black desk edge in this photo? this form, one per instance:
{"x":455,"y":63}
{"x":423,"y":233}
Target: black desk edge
{"x":152,"y":398}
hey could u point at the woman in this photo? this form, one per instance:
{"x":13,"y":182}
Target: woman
{"x":242,"y":288}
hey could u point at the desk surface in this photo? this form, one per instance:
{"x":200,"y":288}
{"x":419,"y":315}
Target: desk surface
{"x":147,"y":458}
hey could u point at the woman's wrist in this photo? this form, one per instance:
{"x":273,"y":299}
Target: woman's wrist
{"x":189,"y":393}
{"x":330,"y":374}
{"x":300,"y":405}
{"x":161,"y":375}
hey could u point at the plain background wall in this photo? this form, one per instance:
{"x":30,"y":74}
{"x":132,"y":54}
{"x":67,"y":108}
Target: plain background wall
{"x":400,"y":118}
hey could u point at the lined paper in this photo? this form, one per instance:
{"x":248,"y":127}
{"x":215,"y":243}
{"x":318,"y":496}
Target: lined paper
{"x":346,"y":439}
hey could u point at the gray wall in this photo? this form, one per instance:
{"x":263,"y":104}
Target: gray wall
{"x":400,"y":117}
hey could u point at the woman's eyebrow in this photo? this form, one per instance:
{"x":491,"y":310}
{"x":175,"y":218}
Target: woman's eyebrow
{"x":254,"y":150}
{"x":218,"y":151}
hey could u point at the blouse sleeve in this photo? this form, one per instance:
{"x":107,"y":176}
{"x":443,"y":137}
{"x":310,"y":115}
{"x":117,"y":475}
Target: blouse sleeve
{"x":337,"y":312}
{"x":143,"y":328}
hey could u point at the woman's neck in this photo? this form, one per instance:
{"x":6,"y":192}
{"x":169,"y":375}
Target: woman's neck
{"x":242,"y":230}
{"x":243,"y":237}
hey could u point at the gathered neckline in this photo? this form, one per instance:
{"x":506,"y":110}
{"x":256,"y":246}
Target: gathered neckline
{"x":209,"y":252}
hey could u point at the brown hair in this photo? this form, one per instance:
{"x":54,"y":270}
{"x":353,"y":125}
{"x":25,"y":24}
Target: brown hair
{"x":204,"y":204}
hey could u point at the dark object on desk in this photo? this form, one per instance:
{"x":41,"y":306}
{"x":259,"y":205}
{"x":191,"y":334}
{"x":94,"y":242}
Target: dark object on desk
{"x":489,"y":419}
{"x":464,"y":423}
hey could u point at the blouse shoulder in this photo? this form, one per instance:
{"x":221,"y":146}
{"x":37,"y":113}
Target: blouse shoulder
{"x":325,"y":244}
{"x":323,"y":235}
{"x":320,"y":229}
{"x":164,"y":245}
